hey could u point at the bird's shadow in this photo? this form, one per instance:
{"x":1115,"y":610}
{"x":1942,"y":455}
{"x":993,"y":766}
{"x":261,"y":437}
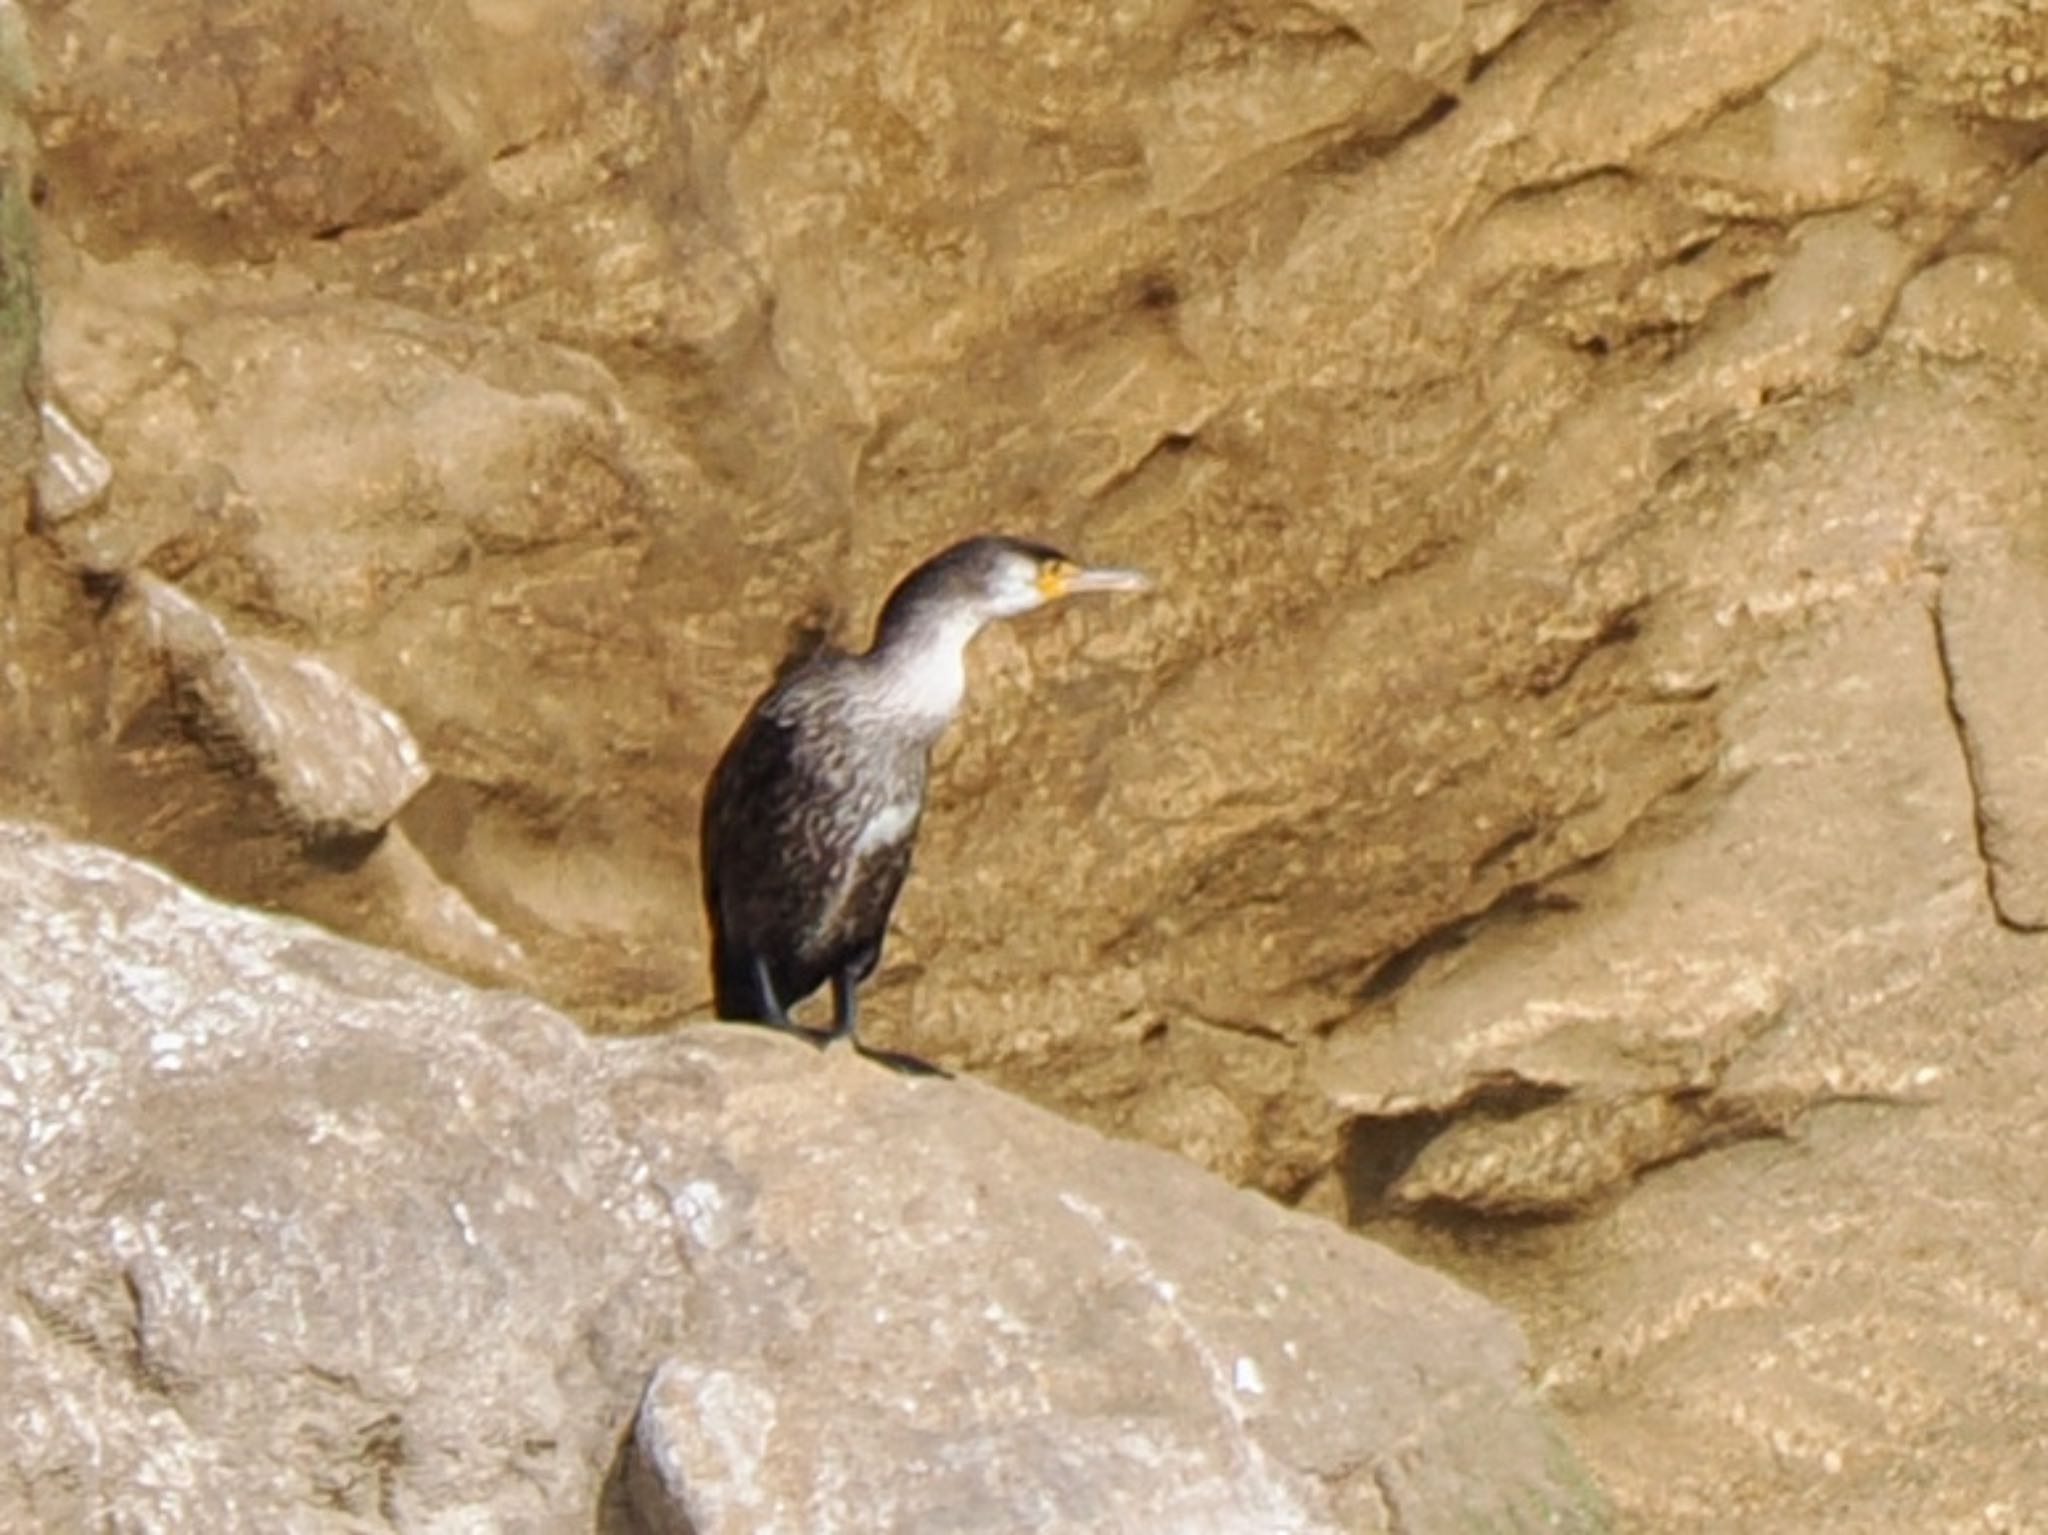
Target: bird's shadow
{"x":898,"y":1061}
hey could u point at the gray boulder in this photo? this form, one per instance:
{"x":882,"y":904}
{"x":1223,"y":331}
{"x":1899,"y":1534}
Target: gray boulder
{"x":301,"y":1235}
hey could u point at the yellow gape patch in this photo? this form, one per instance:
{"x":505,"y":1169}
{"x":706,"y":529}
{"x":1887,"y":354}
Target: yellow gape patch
{"x":1053,"y":577}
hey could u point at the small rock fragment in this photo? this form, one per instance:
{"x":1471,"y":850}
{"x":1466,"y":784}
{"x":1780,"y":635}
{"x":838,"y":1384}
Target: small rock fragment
{"x":341,"y":763}
{"x":72,"y":473}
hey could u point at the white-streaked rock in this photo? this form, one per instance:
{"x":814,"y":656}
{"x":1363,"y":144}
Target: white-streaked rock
{"x":73,"y":473}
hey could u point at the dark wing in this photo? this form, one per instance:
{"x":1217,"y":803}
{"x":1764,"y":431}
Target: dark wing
{"x":744,"y":832}
{"x":731,"y":833}
{"x":779,"y":824}
{"x":807,"y":830}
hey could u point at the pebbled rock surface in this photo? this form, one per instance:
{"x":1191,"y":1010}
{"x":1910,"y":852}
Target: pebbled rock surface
{"x":302,"y":1235}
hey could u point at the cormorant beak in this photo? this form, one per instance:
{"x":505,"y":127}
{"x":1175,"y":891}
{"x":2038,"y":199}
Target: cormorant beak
{"x":1068,"y":580}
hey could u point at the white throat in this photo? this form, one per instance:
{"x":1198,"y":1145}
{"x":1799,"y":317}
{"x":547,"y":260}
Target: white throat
{"x":922,"y":675}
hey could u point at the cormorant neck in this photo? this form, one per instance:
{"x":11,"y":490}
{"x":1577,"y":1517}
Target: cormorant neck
{"x":919,"y":663}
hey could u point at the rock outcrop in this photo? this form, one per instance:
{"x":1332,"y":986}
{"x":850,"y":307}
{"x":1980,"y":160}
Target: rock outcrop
{"x":302,"y":1235}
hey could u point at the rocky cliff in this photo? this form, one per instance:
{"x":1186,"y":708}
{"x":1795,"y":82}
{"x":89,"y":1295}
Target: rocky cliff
{"x":1573,"y":806}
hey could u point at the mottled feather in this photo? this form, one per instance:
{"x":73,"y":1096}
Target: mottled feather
{"x":792,"y":877}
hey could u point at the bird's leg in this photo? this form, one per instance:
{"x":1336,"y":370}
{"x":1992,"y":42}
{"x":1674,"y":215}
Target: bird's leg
{"x":846,"y":1021}
{"x":846,"y":1002}
{"x":778,"y":1015}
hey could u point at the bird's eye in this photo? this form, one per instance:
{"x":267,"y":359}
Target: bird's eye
{"x":1053,"y":577}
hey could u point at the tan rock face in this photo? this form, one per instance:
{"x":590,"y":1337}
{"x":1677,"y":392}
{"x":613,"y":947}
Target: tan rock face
{"x":1592,"y":455}
{"x":322,"y":1238}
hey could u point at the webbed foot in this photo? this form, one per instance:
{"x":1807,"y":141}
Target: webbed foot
{"x":898,"y":1061}
{"x":817,"y":1039}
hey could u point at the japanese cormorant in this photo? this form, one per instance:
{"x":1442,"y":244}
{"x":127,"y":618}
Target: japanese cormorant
{"x":810,"y":814}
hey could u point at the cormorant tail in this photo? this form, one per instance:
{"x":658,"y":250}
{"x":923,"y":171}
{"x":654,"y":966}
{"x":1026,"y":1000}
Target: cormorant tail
{"x":740,"y":989}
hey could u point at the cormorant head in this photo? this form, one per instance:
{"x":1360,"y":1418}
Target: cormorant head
{"x":992,"y":577}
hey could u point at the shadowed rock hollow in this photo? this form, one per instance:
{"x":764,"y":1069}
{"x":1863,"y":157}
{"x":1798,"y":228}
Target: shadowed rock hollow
{"x":1593,"y":458}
